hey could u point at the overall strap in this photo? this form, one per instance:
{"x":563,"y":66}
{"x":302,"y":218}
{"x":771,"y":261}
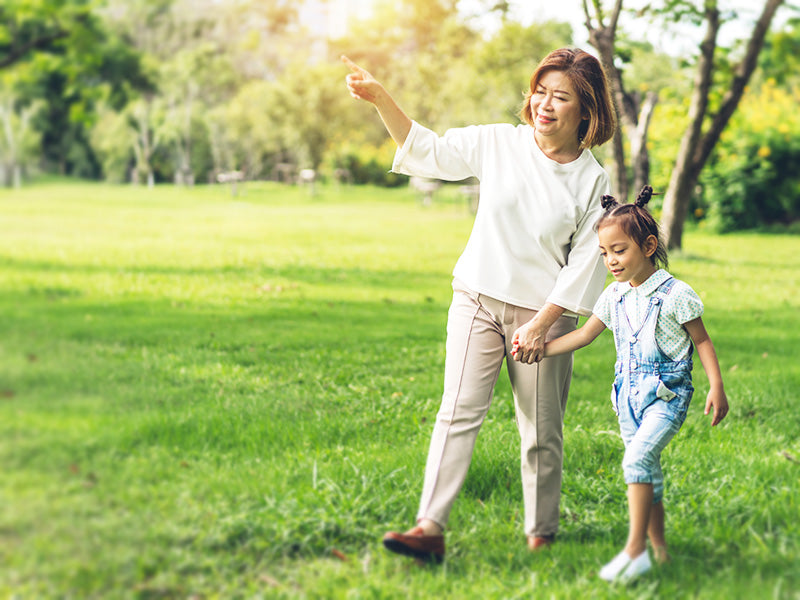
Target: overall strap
{"x":653,"y":309}
{"x":666,"y":286}
{"x":663,"y":290}
{"x":656,"y":300}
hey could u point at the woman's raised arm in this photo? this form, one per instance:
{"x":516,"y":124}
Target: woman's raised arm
{"x":364,"y":86}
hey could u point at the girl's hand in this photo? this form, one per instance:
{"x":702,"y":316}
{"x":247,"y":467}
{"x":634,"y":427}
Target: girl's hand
{"x":717,"y":400}
{"x":708,"y":356}
{"x":360,"y":83}
{"x":528,"y":342}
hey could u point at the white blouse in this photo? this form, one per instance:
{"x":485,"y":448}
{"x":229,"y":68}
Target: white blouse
{"x":533,"y":241}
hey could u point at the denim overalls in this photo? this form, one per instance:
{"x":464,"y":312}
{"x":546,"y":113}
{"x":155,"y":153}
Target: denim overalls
{"x":651,"y":392}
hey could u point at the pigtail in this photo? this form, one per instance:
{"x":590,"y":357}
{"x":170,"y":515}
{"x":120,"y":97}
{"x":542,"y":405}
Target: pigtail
{"x":644,"y":196}
{"x":636,"y":222}
{"x":608,"y":202}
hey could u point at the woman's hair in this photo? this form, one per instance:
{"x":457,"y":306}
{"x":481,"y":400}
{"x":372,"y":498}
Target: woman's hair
{"x":589,"y":79}
{"x":637,"y":223}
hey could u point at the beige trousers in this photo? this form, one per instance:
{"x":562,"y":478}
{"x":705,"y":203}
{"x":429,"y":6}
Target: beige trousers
{"x":479,"y":333}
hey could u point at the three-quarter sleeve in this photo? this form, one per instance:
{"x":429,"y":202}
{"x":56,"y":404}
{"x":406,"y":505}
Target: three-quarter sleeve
{"x":452,"y":157}
{"x":581,"y":279}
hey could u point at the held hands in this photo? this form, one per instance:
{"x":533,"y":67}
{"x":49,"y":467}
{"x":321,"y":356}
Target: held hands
{"x":528,"y":343}
{"x":360,"y":83}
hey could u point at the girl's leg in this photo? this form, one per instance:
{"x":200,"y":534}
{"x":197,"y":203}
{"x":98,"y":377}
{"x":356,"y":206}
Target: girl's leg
{"x":644,"y":440}
{"x":634,"y":560}
{"x":642,"y":466}
{"x":474,"y":355}
{"x":655,"y":531}
{"x":640,"y":504}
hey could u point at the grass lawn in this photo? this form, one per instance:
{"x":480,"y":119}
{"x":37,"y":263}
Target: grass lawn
{"x":207,"y":396}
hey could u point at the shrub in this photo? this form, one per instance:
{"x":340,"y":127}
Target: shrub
{"x":753,"y":177}
{"x":368,"y":164}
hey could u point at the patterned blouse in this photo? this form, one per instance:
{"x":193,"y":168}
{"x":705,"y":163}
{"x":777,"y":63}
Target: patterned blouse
{"x":681,"y":306}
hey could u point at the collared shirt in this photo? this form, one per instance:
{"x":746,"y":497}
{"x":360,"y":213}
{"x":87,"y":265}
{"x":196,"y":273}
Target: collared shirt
{"x":680,"y":306}
{"x":533,"y":241}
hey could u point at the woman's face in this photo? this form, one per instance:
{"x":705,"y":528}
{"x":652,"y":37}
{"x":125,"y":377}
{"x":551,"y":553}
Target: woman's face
{"x":555,"y":108}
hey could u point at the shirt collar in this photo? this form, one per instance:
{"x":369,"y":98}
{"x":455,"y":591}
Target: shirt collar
{"x":650,"y":285}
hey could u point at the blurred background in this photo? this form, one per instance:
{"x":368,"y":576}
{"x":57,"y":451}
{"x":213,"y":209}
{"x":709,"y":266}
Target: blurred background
{"x":191,"y":92}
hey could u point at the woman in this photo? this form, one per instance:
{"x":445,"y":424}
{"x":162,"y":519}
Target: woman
{"x":530,"y":267}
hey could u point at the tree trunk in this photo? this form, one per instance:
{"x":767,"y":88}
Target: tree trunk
{"x":696,"y":147}
{"x":631,"y":112}
{"x":640,"y":155}
{"x":620,"y":172}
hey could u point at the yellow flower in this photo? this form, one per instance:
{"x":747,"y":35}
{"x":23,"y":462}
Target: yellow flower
{"x":698,"y":213}
{"x":764,"y":151}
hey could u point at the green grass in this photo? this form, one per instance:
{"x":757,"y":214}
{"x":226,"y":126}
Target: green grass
{"x":204,"y":396}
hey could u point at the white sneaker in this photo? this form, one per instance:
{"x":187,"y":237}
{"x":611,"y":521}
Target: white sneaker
{"x":625,"y":568}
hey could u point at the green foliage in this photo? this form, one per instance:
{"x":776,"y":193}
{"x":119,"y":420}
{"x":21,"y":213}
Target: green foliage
{"x":367,"y":164}
{"x":753,"y":177}
{"x":444,"y":76}
{"x":111,"y":139}
{"x":780,"y":59}
{"x":211,"y":397}
{"x":669,"y":121}
{"x":504,"y":64}
{"x":28,"y":26}
{"x":644,"y":69}
{"x":245,"y":85}
{"x":61,"y":53}
{"x":19,"y":141}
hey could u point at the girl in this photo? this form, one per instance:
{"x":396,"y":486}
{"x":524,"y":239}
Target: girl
{"x":656,"y":320}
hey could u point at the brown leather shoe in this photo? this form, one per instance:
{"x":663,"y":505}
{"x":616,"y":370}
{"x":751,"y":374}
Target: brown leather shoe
{"x":429,"y":548}
{"x":540,"y":542}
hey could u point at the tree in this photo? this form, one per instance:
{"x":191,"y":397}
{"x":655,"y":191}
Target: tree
{"x":18,"y":139}
{"x":634,"y":109}
{"x":201,"y":54}
{"x":147,"y":122}
{"x":28,"y":26}
{"x":696,"y":145}
{"x":62,"y":54}
{"x":112,"y":140}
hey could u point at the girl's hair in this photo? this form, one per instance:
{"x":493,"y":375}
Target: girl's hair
{"x":589,"y":79}
{"x":637,"y":223}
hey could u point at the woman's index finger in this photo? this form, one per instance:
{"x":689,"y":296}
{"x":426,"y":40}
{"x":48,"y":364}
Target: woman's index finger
{"x":353,"y":66}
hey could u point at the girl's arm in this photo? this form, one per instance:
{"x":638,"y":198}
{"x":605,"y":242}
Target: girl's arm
{"x":708,"y":356}
{"x":364,"y":86}
{"x":566,"y":343}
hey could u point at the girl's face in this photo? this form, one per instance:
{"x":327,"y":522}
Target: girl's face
{"x":555,"y":107}
{"x":624,"y":258}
